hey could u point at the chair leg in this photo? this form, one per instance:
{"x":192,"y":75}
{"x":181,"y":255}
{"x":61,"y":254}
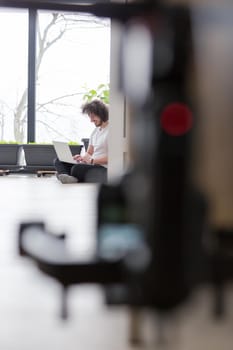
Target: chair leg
{"x":219,"y":300}
{"x":135,"y":338}
{"x":64,"y":303}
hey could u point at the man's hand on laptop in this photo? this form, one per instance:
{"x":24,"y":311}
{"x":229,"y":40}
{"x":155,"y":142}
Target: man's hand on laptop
{"x":85,"y":159}
{"x":78,"y":158}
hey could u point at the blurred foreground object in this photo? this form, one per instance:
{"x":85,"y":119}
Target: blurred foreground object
{"x":153,"y":218}
{"x":152,"y":224}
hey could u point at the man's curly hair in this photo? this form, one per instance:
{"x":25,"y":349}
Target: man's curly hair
{"x":96,"y":107}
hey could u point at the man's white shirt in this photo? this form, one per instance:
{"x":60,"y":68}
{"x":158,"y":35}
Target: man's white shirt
{"x":99,"y":141}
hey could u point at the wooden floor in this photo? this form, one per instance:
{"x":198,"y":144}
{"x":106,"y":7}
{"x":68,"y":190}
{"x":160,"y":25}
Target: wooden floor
{"x":30,"y":301}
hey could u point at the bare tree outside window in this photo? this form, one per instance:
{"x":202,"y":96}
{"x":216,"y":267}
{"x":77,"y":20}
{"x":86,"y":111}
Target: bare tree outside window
{"x":73,"y":57}
{"x":13,"y":68}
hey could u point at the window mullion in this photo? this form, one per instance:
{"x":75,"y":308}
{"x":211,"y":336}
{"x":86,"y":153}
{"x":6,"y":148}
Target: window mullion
{"x":31,"y":75}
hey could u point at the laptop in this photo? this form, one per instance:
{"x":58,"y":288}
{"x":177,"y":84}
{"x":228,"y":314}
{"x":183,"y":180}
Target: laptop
{"x":63,"y":152}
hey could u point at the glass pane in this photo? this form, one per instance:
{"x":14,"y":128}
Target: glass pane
{"x":73,"y":53}
{"x":13,"y":73}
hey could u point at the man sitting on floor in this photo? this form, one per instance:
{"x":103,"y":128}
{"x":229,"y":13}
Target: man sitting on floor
{"x":92,"y":167}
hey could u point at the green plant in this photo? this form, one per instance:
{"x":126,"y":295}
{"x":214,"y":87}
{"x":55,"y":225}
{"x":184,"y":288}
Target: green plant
{"x":39,"y":143}
{"x":101,"y":92}
{"x":4,"y":142}
{"x":73,"y":143}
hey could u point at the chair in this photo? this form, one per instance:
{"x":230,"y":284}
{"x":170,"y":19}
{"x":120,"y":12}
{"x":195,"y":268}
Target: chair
{"x":85,"y":142}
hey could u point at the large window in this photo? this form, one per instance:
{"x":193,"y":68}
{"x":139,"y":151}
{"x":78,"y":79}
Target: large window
{"x":73,"y":53}
{"x":13,"y":73}
{"x":72,"y":58}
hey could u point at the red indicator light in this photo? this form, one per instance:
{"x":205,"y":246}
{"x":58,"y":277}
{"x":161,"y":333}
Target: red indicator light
{"x":176,"y":119}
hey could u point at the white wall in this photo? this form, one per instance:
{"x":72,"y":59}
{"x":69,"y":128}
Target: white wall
{"x":118,"y":115}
